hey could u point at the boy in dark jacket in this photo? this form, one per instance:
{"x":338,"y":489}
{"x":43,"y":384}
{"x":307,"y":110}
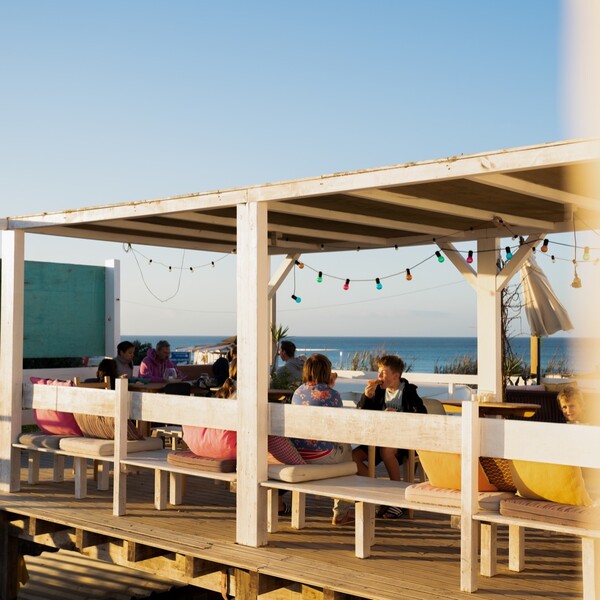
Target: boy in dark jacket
{"x":389,"y":392}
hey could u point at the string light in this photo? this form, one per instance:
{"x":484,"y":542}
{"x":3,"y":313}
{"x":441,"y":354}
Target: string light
{"x":296,"y":298}
{"x":408,"y":275}
{"x":346,"y":285}
{"x":320,"y":277}
{"x":439,"y":256}
{"x":378,"y":283}
{"x":576,"y":280}
{"x":553,"y":258}
{"x":545,"y":246}
{"x":299,"y":264}
{"x":470,"y":257}
{"x":508,"y":253}
{"x":586,"y":253}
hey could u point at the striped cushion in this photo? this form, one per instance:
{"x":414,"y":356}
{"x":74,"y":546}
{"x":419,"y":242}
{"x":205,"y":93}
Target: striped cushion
{"x":428,"y":494}
{"x":93,"y":447}
{"x":187,"y":458}
{"x":96,"y":426}
{"x":551,"y":512}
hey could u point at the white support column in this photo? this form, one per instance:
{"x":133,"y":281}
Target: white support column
{"x":11,"y":356}
{"x":489,"y":338}
{"x":112,"y":307}
{"x":469,"y":528}
{"x":253,"y":373}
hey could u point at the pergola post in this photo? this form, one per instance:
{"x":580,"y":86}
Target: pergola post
{"x":253,"y":373}
{"x":112,"y":303}
{"x":11,"y":355}
{"x":489,"y":336}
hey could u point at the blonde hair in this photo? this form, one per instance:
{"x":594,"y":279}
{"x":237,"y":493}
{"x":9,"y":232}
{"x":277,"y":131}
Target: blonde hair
{"x":228,"y":389}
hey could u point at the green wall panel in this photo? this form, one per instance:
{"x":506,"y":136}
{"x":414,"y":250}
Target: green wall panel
{"x":64,"y":310}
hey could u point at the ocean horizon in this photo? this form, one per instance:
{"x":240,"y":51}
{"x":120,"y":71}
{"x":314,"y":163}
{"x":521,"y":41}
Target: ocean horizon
{"x":421,"y":354}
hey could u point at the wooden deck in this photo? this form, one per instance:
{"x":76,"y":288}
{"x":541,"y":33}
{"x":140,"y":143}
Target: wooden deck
{"x":194,"y":543}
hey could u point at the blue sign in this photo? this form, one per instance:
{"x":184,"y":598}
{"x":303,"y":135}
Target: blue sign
{"x":181,"y":358}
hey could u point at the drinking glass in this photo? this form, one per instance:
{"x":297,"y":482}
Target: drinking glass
{"x":170,"y":373}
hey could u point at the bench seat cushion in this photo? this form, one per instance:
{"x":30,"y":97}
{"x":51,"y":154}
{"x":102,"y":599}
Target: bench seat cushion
{"x":186,"y":458}
{"x":428,"y":494}
{"x":551,"y":512}
{"x":100,"y":447}
{"x":38,"y":439}
{"x":298,"y":473}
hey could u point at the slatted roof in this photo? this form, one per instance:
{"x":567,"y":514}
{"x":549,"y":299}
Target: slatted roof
{"x":507,"y":192}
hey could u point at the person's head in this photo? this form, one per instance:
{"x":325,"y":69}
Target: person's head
{"x":317,"y":369}
{"x":228,"y":389}
{"x":287,"y":350}
{"x":390,"y":369}
{"x":570,"y":400}
{"x":163,"y":350}
{"x":126,"y":350}
{"x":107,"y":367}
{"x":232,"y":353}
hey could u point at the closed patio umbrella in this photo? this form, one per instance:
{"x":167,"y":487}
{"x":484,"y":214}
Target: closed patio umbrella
{"x":544,"y":311}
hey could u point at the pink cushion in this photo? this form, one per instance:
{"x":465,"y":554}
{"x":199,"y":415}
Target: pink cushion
{"x":54,"y":421}
{"x":212,"y":443}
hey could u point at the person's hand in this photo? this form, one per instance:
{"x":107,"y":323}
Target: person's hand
{"x":124,"y":376}
{"x":333,"y":379}
{"x":370,"y":387}
{"x":390,"y":409}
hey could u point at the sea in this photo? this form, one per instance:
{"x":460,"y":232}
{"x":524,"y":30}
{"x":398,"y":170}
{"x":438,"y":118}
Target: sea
{"x":421,"y":354}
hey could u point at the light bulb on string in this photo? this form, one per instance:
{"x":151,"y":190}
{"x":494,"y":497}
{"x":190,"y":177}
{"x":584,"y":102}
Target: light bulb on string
{"x":553,"y":258}
{"x":509,"y":254}
{"x":299,"y":264}
{"x":586,"y":253}
{"x":320,"y":277}
{"x":576,"y":280}
{"x":545,"y":246}
{"x":296,"y":298}
{"x":378,"y":283}
{"x":346,"y":285}
{"x":470,"y":256}
{"x":439,"y":256}
{"x":408,"y":275}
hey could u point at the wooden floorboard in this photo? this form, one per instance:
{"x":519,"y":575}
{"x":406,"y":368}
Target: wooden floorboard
{"x":412,"y":558}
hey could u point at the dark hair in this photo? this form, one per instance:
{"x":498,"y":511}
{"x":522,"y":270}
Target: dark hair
{"x":288,"y":347}
{"x":162,"y":344}
{"x":124,"y":346}
{"x":392,"y":362}
{"x":107,"y":366}
{"x":317,"y":369}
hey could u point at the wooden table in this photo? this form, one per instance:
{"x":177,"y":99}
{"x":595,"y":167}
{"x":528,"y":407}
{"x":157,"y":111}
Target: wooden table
{"x":495,"y":409}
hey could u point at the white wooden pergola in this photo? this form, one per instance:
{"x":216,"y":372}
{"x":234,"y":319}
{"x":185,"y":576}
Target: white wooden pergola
{"x":529,"y":192}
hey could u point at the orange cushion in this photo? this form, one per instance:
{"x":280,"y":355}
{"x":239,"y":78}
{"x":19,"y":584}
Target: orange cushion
{"x":443,"y":471}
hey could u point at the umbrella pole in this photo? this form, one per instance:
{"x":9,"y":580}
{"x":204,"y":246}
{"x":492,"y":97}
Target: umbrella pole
{"x":535,"y":343}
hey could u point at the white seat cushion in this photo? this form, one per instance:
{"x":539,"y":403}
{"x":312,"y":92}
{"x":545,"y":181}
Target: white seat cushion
{"x":98,"y":447}
{"x":298,"y":473}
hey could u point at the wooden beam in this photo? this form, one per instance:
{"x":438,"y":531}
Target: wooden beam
{"x":448,"y":208}
{"x":367,"y":220}
{"x":137,"y":552}
{"x":9,"y":560}
{"x":39,"y":526}
{"x":85,"y":539}
{"x":191,"y":566}
{"x":246,"y":585}
{"x":520,"y":186}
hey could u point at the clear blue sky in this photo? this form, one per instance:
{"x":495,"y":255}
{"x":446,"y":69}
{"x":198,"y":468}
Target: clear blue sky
{"x":125,"y":100}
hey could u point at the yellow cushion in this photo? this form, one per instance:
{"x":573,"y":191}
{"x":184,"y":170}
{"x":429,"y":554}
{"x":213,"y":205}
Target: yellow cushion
{"x":556,"y":483}
{"x":559,"y":387}
{"x":443,"y":471}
